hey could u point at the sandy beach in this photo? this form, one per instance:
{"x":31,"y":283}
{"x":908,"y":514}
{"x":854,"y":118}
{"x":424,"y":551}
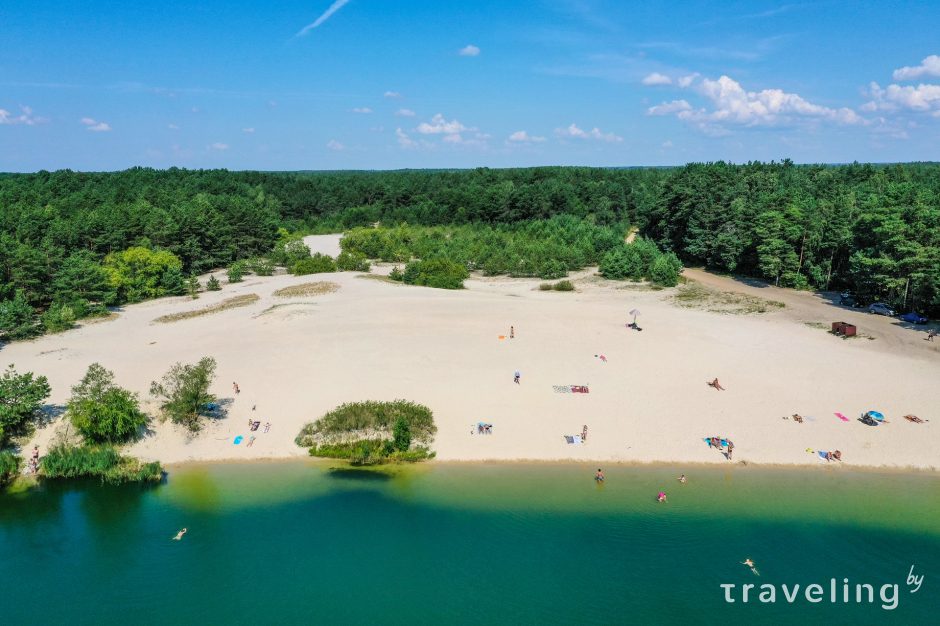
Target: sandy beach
{"x":649,"y":402}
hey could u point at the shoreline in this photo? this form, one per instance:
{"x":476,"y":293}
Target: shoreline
{"x":738,"y":465}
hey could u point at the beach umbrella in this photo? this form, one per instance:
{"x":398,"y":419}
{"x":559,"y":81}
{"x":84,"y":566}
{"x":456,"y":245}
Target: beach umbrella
{"x":634,"y":313}
{"x":875,"y":415}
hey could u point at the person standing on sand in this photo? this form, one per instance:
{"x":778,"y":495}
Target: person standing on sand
{"x":730,"y":449}
{"x":516,"y":380}
{"x":512,"y":332}
{"x":931,"y":334}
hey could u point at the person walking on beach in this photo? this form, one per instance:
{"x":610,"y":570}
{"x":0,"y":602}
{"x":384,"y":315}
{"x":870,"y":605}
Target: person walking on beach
{"x":235,"y":386}
{"x":516,"y":380}
{"x":730,"y":449}
{"x":512,"y":332}
{"x":931,"y":334}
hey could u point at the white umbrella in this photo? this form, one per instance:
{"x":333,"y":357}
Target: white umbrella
{"x":634,"y":313}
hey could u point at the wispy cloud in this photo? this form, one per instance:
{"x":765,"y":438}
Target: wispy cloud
{"x":392,"y":94}
{"x":27,"y":118}
{"x":93,"y":125}
{"x":522,"y":136}
{"x":657,"y":79}
{"x":469,"y":51}
{"x":219,"y":146}
{"x":173,"y":127}
{"x":248,"y":130}
{"x":335,"y":145}
{"x":362,"y":110}
{"x":440,"y":126}
{"x":336,"y":6}
{"x":404,"y":113}
{"x":404,"y":141}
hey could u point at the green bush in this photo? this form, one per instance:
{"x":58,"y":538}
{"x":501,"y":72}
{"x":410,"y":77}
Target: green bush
{"x":21,"y":397}
{"x":139,"y":273}
{"x":317,"y":264}
{"x":361,"y":420}
{"x":192,"y":286}
{"x":103,"y":412}
{"x":288,"y":252}
{"x":396,"y":274}
{"x":65,"y":461}
{"x":546,"y":287}
{"x":58,"y":318}
{"x":213,"y":284}
{"x":9,"y":466}
{"x":185,"y":392}
{"x":402,"y":434}
{"x":236,"y":272}
{"x":554,"y":269}
{"x":16,"y":319}
{"x":665,"y":270}
{"x":564,"y":285}
{"x":438,"y":273}
{"x":634,"y":261}
{"x":352,"y":262}
{"x":172,"y":281}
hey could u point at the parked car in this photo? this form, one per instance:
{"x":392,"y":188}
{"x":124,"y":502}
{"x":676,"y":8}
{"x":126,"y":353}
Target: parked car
{"x":851,"y":302}
{"x":914,"y":318}
{"x":845,"y":295}
{"x":881,"y":309}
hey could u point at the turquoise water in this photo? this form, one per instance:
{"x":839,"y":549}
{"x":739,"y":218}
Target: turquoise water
{"x":301,"y":543}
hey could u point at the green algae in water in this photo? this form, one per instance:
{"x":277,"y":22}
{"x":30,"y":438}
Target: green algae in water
{"x":313,"y":542}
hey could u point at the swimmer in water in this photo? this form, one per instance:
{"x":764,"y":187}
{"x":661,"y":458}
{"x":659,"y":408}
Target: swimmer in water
{"x":600,"y":476}
{"x":180,"y":534}
{"x":662,"y":498}
{"x":748,"y":562}
{"x":682,"y":478}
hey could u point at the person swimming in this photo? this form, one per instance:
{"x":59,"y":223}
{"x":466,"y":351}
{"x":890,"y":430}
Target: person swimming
{"x":682,"y":478}
{"x":180,"y":534}
{"x":748,"y":562}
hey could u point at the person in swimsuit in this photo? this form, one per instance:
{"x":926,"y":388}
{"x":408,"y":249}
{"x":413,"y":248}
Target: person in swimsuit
{"x":748,"y":562}
{"x":584,"y":434}
{"x":180,"y":534}
{"x":682,"y":478}
{"x":662,"y":498}
{"x":512,"y":332}
{"x":600,"y":476}
{"x":730,"y":449}
{"x":717,"y":386}
{"x":837,"y":455}
{"x":267,"y":427}
{"x":516,"y":380}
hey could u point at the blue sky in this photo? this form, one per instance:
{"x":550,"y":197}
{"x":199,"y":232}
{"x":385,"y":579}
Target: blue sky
{"x":414,"y":84}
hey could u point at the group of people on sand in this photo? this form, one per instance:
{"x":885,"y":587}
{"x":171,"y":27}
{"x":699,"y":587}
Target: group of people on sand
{"x":834,"y":456}
{"x":33,"y":465}
{"x":484,"y":429}
{"x":718,"y":442}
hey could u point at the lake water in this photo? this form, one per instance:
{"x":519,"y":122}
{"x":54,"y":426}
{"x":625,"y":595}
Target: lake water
{"x":301,"y":543}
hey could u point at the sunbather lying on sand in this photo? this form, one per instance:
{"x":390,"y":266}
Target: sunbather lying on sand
{"x":715,"y":384}
{"x":837,"y":455}
{"x":798,"y":418}
{"x":914,"y":418}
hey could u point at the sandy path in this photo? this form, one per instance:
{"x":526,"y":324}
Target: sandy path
{"x":649,"y":402}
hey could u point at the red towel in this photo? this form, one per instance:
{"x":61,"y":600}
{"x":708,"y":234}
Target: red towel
{"x":842,"y":417}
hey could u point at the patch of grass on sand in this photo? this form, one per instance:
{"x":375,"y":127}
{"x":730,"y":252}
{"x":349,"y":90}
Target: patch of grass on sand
{"x":695,"y":295}
{"x":88,"y":321}
{"x":818,"y":325}
{"x":307,"y":289}
{"x":275,"y":307}
{"x":225,"y":305}
{"x":379,"y":277}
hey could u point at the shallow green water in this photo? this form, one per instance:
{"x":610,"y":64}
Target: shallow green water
{"x":299,"y":543}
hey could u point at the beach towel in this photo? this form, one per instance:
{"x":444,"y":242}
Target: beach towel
{"x":579,"y":389}
{"x":842,"y":417}
{"x":569,"y":438}
{"x":502,"y":336}
{"x":809,"y":418}
{"x":577,"y":439}
{"x":238,"y":440}
{"x":562,"y":388}
{"x":822,"y":454}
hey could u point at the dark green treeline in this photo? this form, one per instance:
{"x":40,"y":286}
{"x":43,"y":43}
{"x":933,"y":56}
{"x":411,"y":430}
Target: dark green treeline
{"x":873,"y":228}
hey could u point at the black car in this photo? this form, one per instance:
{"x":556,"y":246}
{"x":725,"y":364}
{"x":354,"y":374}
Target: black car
{"x":851,"y":302}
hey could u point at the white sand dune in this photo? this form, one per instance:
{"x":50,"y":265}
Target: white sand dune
{"x":647,"y":403}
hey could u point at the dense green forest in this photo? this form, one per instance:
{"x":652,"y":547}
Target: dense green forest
{"x":84,"y":240}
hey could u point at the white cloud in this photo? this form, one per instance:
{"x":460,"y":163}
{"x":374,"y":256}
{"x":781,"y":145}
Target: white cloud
{"x":335,"y":145}
{"x":439,"y":126}
{"x":667,"y":144}
{"x":524,"y":136}
{"x":685,"y":81}
{"x":362,"y":110}
{"x":377,"y":129}
{"x":574,"y":131}
{"x":734,"y":105}
{"x":484,"y":136}
{"x":392,"y":94}
{"x":657,"y":79}
{"x":248,"y":130}
{"x":404,"y":113}
{"x":455,"y":138}
{"x":219,"y":146}
{"x":928,"y":67}
{"x":336,"y":6}
{"x":667,"y":108}
{"x":27,"y":110}
{"x":404,"y":141}
{"x":894,"y":97}
{"x":469,"y":51}
{"x":93,"y":125}
{"x":173,"y":127}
